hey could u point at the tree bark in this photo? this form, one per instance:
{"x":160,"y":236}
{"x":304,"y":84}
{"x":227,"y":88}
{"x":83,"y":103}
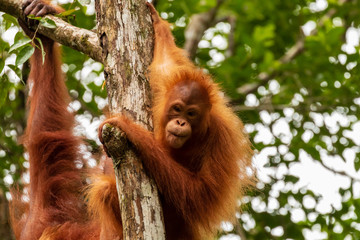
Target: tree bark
{"x":80,"y":39}
{"x":198,"y":24}
{"x":124,"y":45}
{"x":126,"y":37}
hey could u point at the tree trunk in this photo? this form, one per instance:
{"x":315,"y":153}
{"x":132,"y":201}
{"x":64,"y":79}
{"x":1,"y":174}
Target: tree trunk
{"x":126,"y":37}
{"x":126,"y":40}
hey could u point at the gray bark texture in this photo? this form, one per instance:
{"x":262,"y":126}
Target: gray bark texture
{"x":126,"y":37}
{"x":125,"y":48}
{"x":80,"y":39}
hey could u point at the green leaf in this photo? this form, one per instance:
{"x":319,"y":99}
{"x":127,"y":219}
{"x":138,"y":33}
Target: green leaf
{"x":19,"y":44}
{"x":19,"y":35}
{"x":48,"y":23}
{"x":185,"y":8}
{"x":16,"y":70}
{"x":66,"y":13}
{"x":10,"y":19}
{"x":265,"y":34}
{"x":290,"y":178}
{"x":43,"y":53}
{"x":208,"y":3}
{"x":24,"y":55}
{"x":31,"y":16}
{"x":4,"y":82}
{"x":357,"y":164}
{"x":2,"y":64}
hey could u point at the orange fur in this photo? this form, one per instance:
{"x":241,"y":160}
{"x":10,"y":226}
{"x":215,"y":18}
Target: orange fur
{"x":104,"y":205}
{"x":200,"y":182}
{"x":56,"y":208}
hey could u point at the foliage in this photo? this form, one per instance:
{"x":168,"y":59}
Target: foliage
{"x":302,"y":113}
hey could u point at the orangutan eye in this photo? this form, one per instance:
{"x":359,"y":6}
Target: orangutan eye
{"x":176,"y":108}
{"x":192,"y":114}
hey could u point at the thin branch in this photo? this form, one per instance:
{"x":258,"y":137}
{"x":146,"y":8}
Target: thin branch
{"x":292,"y":53}
{"x":5,"y":148}
{"x":265,"y":77}
{"x":80,"y":39}
{"x":240,"y":231}
{"x":279,"y":107}
{"x":231,"y":38}
{"x":342,"y":173}
{"x":196,"y":28}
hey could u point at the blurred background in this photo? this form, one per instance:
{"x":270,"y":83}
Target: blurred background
{"x":289,"y":69}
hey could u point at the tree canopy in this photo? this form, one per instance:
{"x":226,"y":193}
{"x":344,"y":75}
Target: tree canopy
{"x":289,"y":68}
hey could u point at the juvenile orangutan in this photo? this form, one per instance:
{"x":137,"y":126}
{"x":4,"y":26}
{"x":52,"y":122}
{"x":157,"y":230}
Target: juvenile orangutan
{"x":198,"y":154}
